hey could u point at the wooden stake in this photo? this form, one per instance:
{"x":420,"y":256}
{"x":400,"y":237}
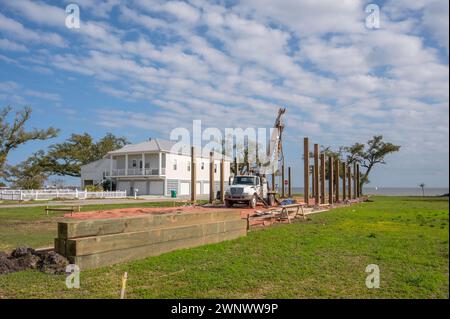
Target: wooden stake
{"x":306,"y":170}
{"x":330,"y":180}
{"x":322,"y":178}
{"x":124,"y":285}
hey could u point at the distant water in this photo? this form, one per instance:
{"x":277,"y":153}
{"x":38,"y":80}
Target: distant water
{"x":394,"y":191}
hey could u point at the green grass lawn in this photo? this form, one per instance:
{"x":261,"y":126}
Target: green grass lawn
{"x":30,"y":226}
{"x":324,"y":257}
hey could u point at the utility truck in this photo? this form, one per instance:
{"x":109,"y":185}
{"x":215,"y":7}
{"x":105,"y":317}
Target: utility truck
{"x":249,"y":184}
{"x":248,"y":189}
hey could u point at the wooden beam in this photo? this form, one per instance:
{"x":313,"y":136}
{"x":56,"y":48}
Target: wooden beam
{"x":322,"y":178}
{"x":306,"y":170}
{"x":330,"y":181}
{"x":135,"y":253}
{"x":211,"y":178}
{"x":193,"y":175}
{"x":355,"y":186}
{"x":95,"y":227}
{"x":316,"y":174}
{"x":99,"y":244}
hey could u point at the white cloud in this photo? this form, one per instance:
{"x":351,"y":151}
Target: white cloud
{"x":15,"y":28}
{"x":8,"y":45}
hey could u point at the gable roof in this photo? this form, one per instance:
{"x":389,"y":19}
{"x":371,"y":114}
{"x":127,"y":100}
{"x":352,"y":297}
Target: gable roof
{"x":158,"y":145}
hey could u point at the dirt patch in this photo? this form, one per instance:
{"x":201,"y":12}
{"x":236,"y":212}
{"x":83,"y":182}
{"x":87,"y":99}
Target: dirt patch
{"x":128,"y":212}
{"x":23,"y":258}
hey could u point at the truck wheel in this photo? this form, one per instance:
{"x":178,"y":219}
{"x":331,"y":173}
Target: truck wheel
{"x":252,"y":202}
{"x":228,"y":203}
{"x":271,"y":200}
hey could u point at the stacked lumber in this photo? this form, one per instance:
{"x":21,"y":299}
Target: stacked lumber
{"x":101,"y":242}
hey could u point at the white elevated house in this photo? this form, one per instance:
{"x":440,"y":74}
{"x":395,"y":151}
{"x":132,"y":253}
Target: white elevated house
{"x":154,"y":167}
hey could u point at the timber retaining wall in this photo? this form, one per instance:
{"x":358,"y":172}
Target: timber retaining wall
{"x":102,"y":242}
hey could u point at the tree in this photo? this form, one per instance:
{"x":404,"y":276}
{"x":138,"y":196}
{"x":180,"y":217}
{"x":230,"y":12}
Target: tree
{"x":66,"y":159}
{"x":28,"y":174}
{"x":370,"y":155}
{"x":367,"y":155}
{"x":422,"y":185}
{"x":14,"y":134}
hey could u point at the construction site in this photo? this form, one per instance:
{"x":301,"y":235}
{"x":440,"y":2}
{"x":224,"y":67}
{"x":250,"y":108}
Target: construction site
{"x":246,"y":202}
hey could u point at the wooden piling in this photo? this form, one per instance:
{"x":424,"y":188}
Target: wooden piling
{"x":193,"y":175}
{"x":289,"y":182}
{"x":349,"y":182}
{"x":282,"y":181}
{"x":336,"y":178}
{"x":330,"y":180}
{"x":211,"y":177}
{"x":306,"y":170}
{"x":273,"y":181}
{"x":222,"y":181}
{"x":355,"y":187}
{"x":316,"y":174}
{"x":358,"y":181}
{"x":322,"y":178}
{"x":344,"y":179}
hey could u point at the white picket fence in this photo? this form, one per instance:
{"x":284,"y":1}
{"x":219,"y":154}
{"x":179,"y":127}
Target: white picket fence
{"x":49,"y":194}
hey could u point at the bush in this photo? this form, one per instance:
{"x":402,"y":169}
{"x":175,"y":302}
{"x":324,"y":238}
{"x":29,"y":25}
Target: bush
{"x":94,"y":188}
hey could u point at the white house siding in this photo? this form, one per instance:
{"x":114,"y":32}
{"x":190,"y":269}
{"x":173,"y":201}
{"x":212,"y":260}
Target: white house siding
{"x":94,"y":171}
{"x":160,"y":183}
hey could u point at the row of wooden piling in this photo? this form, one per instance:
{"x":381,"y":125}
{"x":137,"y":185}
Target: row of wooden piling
{"x":340,"y":176}
{"x":211,"y":177}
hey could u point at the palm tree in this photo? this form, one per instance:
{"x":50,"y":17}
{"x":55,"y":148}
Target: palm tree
{"x":423,"y":189}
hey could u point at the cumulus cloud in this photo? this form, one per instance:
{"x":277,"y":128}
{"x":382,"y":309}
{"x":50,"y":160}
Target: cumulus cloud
{"x":235,"y":64}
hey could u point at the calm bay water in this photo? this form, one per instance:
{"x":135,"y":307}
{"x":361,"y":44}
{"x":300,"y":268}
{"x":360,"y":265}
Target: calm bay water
{"x":394,"y":191}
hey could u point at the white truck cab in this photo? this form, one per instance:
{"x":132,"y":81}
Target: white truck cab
{"x":248,"y":189}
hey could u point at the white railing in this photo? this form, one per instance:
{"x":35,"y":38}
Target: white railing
{"x":136,"y":172}
{"x":49,"y":194}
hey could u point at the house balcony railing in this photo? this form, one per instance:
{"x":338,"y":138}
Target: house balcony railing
{"x":136,"y":172}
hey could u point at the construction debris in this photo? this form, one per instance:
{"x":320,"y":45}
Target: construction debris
{"x":23,"y":258}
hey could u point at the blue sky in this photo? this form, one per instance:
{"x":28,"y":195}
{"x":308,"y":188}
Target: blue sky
{"x":141,"y":68}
